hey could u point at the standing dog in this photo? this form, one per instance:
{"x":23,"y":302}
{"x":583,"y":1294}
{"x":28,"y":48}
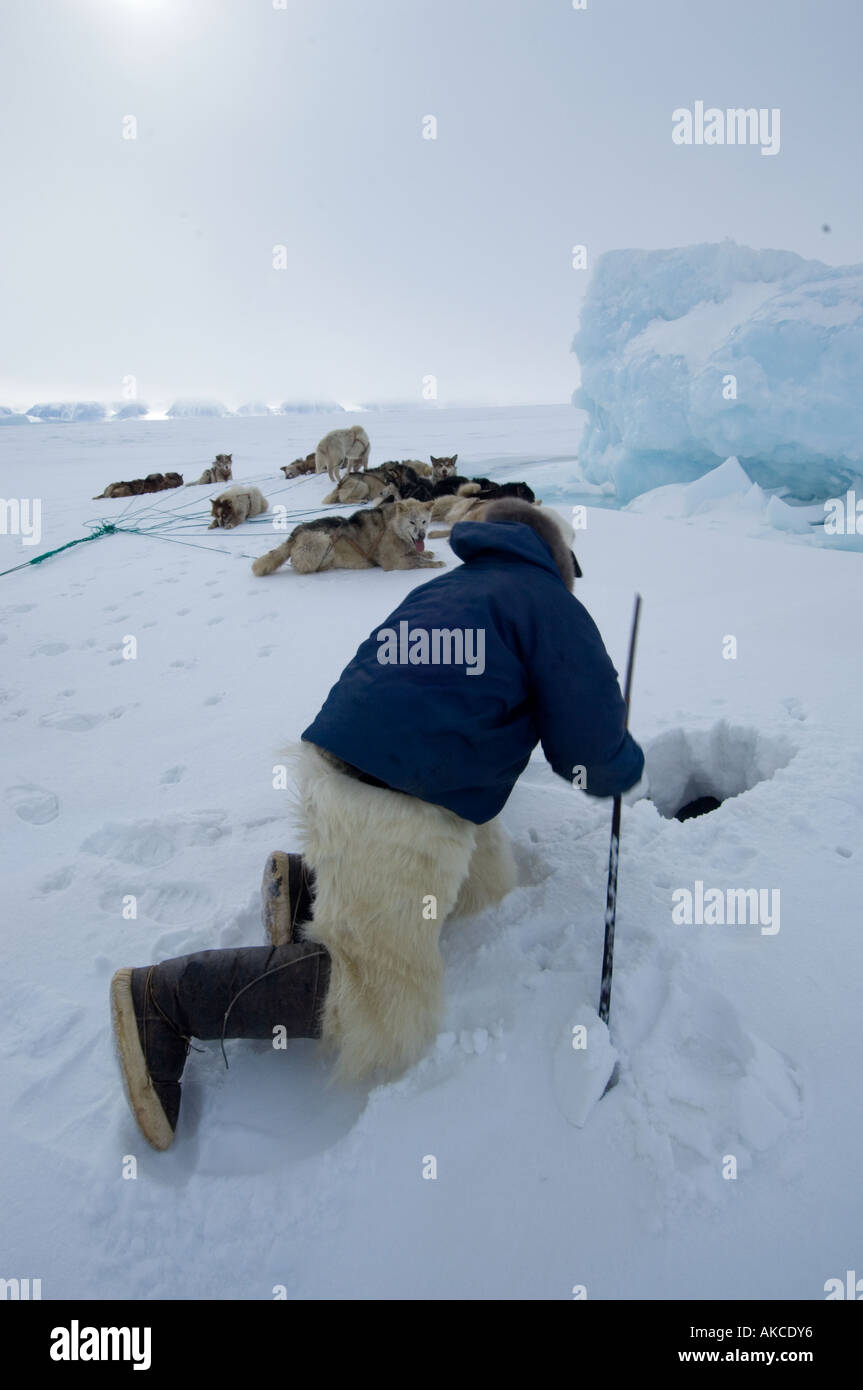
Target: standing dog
{"x":235,"y":505}
{"x":348,"y":448}
{"x":391,"y":536}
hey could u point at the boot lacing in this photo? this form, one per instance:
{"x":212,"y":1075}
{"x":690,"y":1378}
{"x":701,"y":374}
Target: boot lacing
{"x":274,"y":971}
{"x":150,"y":998}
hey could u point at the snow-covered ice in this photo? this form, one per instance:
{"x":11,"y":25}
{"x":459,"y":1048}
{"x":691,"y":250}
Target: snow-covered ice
{"x":691,"y":355}
{"x":152,"y":778}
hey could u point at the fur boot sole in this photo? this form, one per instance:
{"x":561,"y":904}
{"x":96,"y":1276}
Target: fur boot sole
{"x":140,"y":1091}
{"x":285,"y":898}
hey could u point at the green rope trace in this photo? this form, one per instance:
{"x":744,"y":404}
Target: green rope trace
{"x":103,"y":529}
{"x":156,"y":520}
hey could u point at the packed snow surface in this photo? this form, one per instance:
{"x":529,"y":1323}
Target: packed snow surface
{"x":152,"y":779}
{"x":689,"y":356}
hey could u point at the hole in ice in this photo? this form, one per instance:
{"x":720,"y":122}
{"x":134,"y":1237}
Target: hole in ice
{"x":692,"y":772}
{"x":699,"y":807}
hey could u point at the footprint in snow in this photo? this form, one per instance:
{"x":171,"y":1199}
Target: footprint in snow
{"x":709,"y":1087}
{"x":56,"y":882}
{"x":169,"y":904}
{"x":172,"y":774}
{"x":34,"y":804}
{"x":214,"y":699}
{"x":71,"y":723}
{"x":152,"y":843}
{"x":50,"y":649}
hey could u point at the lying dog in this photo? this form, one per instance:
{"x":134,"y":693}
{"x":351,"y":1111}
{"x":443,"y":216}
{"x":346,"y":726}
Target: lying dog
{"x":235,"y":505}
{"x":448,"y":488}
{"x":218,"y":472}
{"x":391,"y":536}
{"x":154,"y":482}
{"x":443,"y":467}
{"x":398,"y":481}
{"x":299,"y":466}
{"x":468,"y":502}
{"x":347,"y":448}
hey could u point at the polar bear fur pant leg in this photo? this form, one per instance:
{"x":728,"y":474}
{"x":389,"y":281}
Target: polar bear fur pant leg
{"x":378,"y":858}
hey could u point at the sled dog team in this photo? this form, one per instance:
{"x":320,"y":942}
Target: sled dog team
{"x":409,"y":497}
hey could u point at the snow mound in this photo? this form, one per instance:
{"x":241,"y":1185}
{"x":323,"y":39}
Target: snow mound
{"x":185,"y":409}
{"x":713,"y":1091}
{"x":727,"y":496}
{"x":691,"y":355}
{"x":68,"y":411}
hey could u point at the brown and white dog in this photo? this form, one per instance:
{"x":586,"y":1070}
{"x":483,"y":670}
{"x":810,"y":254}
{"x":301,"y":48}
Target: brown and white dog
{"x":235,"y":505}
{"x":218,"y":472}
{"x":443,"y":467}
{"x":154,"y":482}
{"x":391,"y":536}
{"x":299,"y":467}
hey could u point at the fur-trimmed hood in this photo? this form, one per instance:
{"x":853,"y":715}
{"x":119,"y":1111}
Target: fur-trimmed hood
{"x":470,"y":538}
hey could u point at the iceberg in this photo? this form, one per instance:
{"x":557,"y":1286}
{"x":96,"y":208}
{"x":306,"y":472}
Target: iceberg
{"x":694,"y":355}
{"x":68,"y":411}
{"x":309,"y":408}
{"x":11,"y":417}
{"x":196,"y":409}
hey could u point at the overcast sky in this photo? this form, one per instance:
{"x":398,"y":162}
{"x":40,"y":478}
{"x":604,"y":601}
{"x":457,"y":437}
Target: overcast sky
{"x":405,"y":257}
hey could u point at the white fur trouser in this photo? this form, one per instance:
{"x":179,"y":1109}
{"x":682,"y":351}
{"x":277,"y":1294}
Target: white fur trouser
{"x":384,"y":862}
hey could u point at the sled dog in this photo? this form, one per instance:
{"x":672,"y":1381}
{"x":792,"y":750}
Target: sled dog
{"x":154,"y":482}
{"x":218,"y":472}
{"x":443,"y":467}
{"x":471,"y":501}
{"x":299,"y":466}
{"x":396,"y":480}
{"x":235,"y":505}
{"x":391,"y":536}
{"x":347,"y":448}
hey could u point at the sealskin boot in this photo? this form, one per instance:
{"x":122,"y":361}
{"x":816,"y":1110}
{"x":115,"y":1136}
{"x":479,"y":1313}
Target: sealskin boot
{"x":242,"y":993}
{"x":287,"y":892}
